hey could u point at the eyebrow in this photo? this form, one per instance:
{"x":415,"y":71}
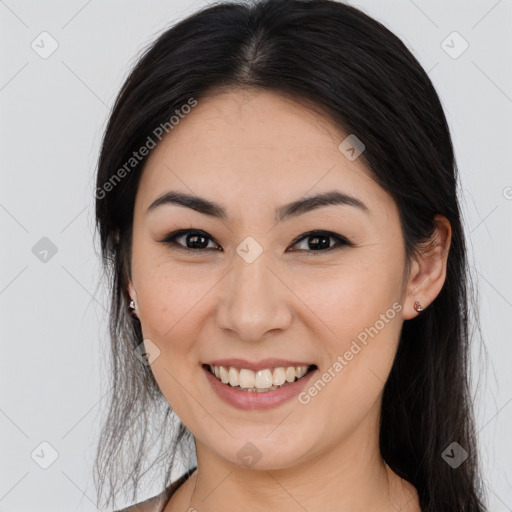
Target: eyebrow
{"x":287,"y":211}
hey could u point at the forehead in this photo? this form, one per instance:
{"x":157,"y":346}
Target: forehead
{"x":248,"y":148}
{"x":249,"y":120}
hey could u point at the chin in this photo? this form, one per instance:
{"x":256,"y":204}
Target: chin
{"x":263,"y":453}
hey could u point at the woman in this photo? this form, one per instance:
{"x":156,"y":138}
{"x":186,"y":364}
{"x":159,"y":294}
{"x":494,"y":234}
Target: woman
{"x":277,"y":207}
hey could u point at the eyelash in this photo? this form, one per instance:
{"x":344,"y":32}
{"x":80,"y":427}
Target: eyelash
{"x":341,"y":241}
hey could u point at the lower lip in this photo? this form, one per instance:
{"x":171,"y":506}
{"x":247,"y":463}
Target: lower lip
{"x":255,"y":399}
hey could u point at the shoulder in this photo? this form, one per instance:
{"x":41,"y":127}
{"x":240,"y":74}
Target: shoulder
{"x":154,"y":504}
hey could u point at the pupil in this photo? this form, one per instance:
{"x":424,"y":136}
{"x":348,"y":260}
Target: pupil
{"x":194,"y":242}
{"x":324,"y":244}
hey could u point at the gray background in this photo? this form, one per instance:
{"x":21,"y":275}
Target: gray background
{"x":53,"y":111}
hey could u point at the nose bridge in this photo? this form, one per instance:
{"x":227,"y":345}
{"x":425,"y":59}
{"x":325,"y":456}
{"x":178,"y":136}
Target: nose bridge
{"x":253,"y":299}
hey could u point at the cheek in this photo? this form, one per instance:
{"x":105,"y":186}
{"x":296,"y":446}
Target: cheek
{"x":356,"y":312}
{"x":172,"y":311}
{"x":350,"y":298}
{"x":171,"y":304}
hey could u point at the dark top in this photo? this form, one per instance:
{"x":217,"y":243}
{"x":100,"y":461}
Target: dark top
{"x":158,"y":502}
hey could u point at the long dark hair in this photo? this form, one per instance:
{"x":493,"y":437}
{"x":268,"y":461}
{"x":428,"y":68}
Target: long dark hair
{"x":351,"y":68}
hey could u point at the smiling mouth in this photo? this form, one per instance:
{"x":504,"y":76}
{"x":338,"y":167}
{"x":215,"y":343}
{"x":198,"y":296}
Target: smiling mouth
{"x":260,"y":381}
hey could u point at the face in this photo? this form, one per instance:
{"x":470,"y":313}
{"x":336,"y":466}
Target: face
{"x":260,"y":286}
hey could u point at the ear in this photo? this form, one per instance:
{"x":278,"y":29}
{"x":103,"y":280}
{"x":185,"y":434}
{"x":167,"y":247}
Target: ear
{"x":131,"y":291}
{"x":428,"y":269}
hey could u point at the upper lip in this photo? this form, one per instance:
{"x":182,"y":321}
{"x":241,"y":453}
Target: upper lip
{"x":257,"y":365}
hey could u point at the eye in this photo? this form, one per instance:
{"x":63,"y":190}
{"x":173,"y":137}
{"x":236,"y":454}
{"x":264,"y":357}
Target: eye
{"x":321,"y":240}
{"x":197,"y":241}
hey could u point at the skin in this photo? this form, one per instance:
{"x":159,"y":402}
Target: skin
{"x":253,"y":151}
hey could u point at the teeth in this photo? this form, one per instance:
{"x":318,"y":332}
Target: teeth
{"x":224,"y":377}
{"x":234,"y":378}
{"x":262,"y":380}
{"x":290,"y":374}
{"x":246,"y":378}
{"x":279,"y":376}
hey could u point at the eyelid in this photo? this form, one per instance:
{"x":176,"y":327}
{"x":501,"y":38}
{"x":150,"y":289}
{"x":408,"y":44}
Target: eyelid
{"x":171,"y":237}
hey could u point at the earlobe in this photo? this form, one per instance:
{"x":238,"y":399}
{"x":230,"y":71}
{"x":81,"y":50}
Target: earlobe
{"x":428,"y":270}
{"x":133,"y":296}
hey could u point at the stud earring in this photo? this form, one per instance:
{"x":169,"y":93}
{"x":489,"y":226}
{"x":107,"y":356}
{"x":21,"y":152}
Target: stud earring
{"x":132,"y":305}
{"x":417,"y":306}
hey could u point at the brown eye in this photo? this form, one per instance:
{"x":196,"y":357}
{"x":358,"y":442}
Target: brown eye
{"x":194,"y":240}
{"x":320,"y":241}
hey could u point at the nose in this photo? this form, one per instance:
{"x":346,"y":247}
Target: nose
{"x":255,"y":300}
